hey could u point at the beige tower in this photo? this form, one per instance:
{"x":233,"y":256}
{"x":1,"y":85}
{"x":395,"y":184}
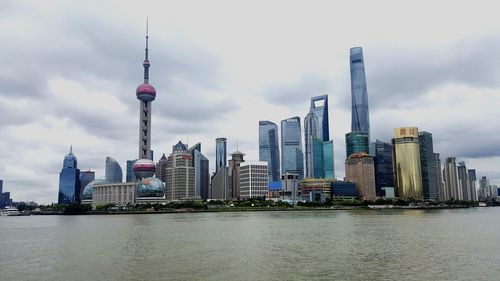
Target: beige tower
{"x":406,"y":163}
{"x":360,"y":170}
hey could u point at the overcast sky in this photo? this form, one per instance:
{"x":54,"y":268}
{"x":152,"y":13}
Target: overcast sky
{"x":69,"y":70}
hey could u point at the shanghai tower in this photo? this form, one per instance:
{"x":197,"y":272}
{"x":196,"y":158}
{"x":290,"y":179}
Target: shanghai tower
{"x":145,"y":94}
{"x":360,"y":121}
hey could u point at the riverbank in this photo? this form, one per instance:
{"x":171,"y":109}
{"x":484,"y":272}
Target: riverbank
{"x":254,"y":209}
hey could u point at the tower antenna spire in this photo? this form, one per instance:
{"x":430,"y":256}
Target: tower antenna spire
{"x":71,"y":149}
{"x":146,"y":52}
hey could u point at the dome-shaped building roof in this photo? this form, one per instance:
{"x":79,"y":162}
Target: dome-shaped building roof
{"x":89,"y":189}
{"x":144,"y":168}
{"x":151,"y":187}
{"x":145,"y":92}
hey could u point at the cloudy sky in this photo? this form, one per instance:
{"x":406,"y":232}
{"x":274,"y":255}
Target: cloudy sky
{"x":69,"y":70}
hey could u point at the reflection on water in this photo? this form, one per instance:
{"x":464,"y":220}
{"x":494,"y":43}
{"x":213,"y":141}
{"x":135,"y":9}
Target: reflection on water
{"x":460,"y":244}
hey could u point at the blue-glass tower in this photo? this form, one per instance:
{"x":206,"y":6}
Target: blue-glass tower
{"x":113,"y":171}
{"x":316,"y":125}
{"x":269,"y":149}
{"x":428,"y":166}
{"x":69,"y":180}
{"x":292,"y":157}
{"x":220,"y":153}
{"x":384,"y":175}
{"x":360,"y":121}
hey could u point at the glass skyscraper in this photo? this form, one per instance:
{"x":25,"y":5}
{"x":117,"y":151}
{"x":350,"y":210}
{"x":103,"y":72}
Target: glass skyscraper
{"x":323,"y":167}
{"x":269,"y":149}
{"x":384,"y":175}
{"x":113,"y":171}
{"x":201,"y":172}
{"x":130,"y":170}
{"x":292,"y":157}
{"x":356,"y":142}
{"x":328,"y":163}
{"x":69,"y":180}
{"x":220,"y":153}
{"x":428,"y":166}
{"x":360,"y":121}
{"x":316,"y":124}
{"x":406,"y":163}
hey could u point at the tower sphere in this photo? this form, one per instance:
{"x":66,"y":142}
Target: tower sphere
{"x":151,"y":187}
{"x":144,"y":168}
{"x":145,"y":92}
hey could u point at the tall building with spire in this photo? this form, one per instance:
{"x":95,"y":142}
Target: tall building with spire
{"x":146,"y":94}
{"x":69,"y":180}
{"x":360,"y":121}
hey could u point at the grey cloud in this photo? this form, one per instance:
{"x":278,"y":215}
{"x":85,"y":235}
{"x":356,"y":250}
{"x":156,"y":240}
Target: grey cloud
{"x":299,"y":92}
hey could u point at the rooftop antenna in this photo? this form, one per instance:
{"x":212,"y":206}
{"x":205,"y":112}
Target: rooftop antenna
{"x":71,"y":149}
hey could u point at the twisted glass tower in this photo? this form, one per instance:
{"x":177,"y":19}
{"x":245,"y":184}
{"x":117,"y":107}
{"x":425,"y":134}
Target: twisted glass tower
{"x":360,"y":121}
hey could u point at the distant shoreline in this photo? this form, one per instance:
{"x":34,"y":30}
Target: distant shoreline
{"x":264,"y":209}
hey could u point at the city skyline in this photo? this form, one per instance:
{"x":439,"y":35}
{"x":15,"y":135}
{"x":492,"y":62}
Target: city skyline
{"x":85,"y":94}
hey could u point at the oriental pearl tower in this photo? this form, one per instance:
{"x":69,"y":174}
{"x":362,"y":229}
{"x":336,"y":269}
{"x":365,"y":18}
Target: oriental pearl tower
{"x":146,"y":93}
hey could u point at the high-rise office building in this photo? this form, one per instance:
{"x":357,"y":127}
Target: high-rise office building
{"x":69,"y":180}
{"x":316,"y":125}
{"x":472,"y":182}
{"x":384,"y":175}
{"x":484,"y":188}
{"x":451,"y":184}
{"x":234,"y":173}
{"x":269,"y":149}
{"x":360,"y":121}
{"x":253,"y":180}
{"x":220,"y":185}
{"x":356,"y":142}
{"x":292,"y":157}
{"x":322,"y":156}
{"x":360,"y":170}
{"x":85,"y":178}
{"x":220,"y":153}
{"x":113,"y":171}
{"x":439,"y":178}
{"x":130,"y":171}
{"x":406,"y":163}
{"x":428,"y":166}
{"x":463,"y":181}
{"x":180,"y":174}
{"x":161,"y":168}
{"x":201,"y":172}
{"x":328,"y":160}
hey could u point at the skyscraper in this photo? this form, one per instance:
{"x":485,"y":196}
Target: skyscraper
{"x":439,"y":177}
{"x":85,"y":178}
{"x":269,"y":149}
{"x":69,"y":180}
{"x":113,"y":171}
{"x":146,"y":94}
{"x":161,"y":168}
{"x":360,"y":170}
{"x":472,"y":182}
{"x":451,"y":185}
{"x":384,"y":175}
{"x":234,"y":173}
{"x":428,"y":166}
{"x":220,"y":153}
{"x":292,"y":157}
{"x":180,"y":174}
{"x":323,"y":160}
{"x":356,"y":142}
{"x":328,"y":160}
{"x":130,"y":170}
{"x":463,"y":181}
{"x":406,"y":163}
{"x":316,"y":124}
{"x":201,"y":172}
{"x":360,"y":121}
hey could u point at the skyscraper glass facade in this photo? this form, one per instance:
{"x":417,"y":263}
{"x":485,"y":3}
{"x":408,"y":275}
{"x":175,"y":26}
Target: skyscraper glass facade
{"x":113,"y":171}
{"x":292,"y":157}
{"x":384,"y":175}
{"x":130,"y":170}
{"x":406,"y":162}
{"x":360,"y":121}
{"x":318,"y":169}
{"x":328,"y":163}
{"x":269,"y":149}
{"x":428,"y":166}
{"x":356,"y":142}
{"x":220,"y":153}
{"x":201,"y":172}
{"x":69,"y":181}
{"x":316,"y":124}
